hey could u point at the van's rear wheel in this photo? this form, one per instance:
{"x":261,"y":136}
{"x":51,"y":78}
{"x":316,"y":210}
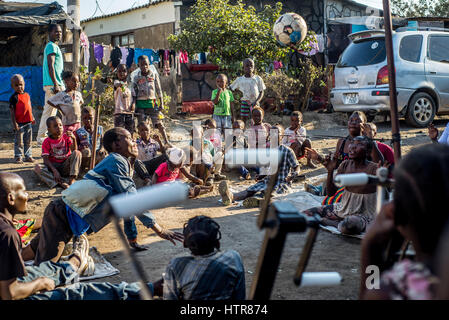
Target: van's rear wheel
{"x":421,"y":110}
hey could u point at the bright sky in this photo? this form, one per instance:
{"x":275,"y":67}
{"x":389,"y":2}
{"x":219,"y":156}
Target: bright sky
{"x":88,"y":7}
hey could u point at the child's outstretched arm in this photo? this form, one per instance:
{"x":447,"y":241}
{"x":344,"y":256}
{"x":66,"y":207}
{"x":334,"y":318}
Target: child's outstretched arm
{"x":232,"y":111}
{"x":190,"y":176}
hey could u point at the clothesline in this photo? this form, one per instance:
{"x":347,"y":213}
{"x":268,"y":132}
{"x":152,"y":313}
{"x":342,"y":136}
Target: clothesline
{"x":165,"y":58}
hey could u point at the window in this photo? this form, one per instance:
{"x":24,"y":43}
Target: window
{"x":125,"y":40}
{"x":439,"y":48}
{"x":363,"y":53}
{"x":410,"y":48}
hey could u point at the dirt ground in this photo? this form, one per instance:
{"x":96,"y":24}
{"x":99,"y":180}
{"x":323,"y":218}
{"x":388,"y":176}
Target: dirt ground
{"x":238,"y":225}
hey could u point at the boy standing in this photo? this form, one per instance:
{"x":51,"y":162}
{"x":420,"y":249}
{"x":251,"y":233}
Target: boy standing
{"x":60,"y":154}
{"x":223,"y":100}
{"x":145,"y":88}
{"x":124,"y":106}
{"x":252,"y":88}
{"x":22,"y":119}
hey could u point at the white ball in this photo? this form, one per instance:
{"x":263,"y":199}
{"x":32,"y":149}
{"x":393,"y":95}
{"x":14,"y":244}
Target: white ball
{"x":290,"y":28}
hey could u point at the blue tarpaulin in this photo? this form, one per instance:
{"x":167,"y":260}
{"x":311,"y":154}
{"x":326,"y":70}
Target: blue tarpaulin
{"x":33,"y":83}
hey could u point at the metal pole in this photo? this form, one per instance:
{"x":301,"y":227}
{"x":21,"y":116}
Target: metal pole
{"x":73,"y":9}
{"x":392,"y":82}
{"x":144,"y":291}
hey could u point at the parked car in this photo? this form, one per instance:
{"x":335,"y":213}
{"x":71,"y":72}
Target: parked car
{"x":422,"y":75}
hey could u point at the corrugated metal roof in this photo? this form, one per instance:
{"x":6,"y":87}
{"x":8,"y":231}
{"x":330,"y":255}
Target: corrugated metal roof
{"x":152,"y":3}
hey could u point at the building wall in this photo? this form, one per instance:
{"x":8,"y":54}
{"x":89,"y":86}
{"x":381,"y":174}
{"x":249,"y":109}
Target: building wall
{"x":340,"y":9}
{"x":153,"y":15}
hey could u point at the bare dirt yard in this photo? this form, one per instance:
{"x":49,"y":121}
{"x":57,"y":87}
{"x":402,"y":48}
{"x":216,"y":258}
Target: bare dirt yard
{"x":238,"y":225}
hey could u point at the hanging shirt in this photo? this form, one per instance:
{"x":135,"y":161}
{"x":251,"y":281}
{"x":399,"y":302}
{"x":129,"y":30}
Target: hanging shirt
{"x":124,"y":51}
{"x":106,"y":54}
{"x":183,"y":57}
{"x":98,"y":52}
{"x":130,"y":57}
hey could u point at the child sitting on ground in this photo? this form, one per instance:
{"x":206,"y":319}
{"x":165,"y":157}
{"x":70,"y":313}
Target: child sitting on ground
{"x":148,"y":161}
{"x":213,"y":135}
{"x":252,"y":88}
{"x":205,"y":149}
{"x":295,"y":137}
{"x":22,"y":119}
{"x":169,"y":170}
{"x":189,"y":169}
{"x":124,"y":106}
{"x":84,"y":139}
{"x":223,"y":100}
{"x":240,"y":141}
{"x":259,"y":131}
{"x":60,"y":154}
{"x":69,"y":102}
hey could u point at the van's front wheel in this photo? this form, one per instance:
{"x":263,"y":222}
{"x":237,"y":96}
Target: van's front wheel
{"x":421,"y":110}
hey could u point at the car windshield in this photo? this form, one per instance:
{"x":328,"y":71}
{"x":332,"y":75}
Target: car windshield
{"x":363,"y":53}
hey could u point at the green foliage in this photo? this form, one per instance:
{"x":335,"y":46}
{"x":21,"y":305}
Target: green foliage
{"x":231,"y":33}
{"x":300,"y":81}
{"x":420,"y":8}
{"x":280,"y":86}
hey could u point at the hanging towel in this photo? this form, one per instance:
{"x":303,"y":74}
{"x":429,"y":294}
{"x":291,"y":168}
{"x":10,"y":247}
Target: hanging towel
{"x":137,"y":53}
{"x":84,"y":40}
{"x":98,"y":52}
{"x":124,"y":51}
{"x":106,"y":54}
{"x":130,"y":57}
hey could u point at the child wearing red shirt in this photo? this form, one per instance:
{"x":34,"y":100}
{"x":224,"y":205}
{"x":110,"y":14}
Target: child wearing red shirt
{"x":22,"y":119}
{"x":170,"y":170}
{"x":61,"y":157}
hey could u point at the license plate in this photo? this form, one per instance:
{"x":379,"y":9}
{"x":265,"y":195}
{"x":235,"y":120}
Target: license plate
{"x":351,"y":98}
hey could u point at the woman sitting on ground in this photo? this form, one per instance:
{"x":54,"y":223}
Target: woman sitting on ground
{"x":356,"y":126}
{"x":417,"y":212}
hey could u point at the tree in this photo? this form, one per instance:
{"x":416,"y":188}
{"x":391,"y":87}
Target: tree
{"x":231,"y":33}
{"x":420,"y":8}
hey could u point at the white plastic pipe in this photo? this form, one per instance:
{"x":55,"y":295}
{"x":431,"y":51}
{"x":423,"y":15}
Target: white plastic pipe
{"x":149,"y":198}
{"x":255,"y":157}
{"x":351,"y":179}
{"x":322,"y":279}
